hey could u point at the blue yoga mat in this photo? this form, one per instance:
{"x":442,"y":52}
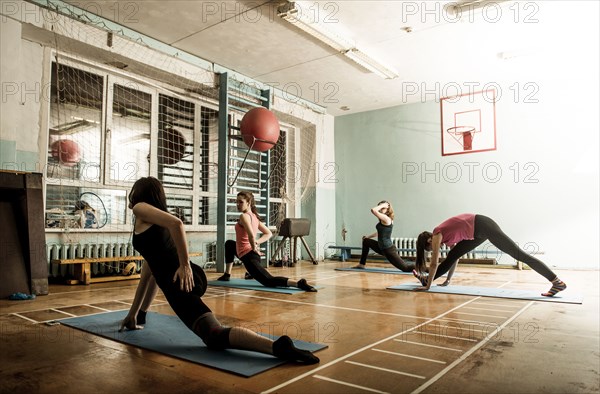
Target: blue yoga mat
{"x":252,"y":284}
{"x":564,"y":296}
{"x":168,"y":335}
{"x":394,"y":271}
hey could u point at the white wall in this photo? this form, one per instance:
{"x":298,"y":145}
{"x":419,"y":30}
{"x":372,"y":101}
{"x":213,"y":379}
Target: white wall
{"x":22,"y":91}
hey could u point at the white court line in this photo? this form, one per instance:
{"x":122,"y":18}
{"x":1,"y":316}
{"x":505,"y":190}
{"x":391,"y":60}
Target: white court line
{"x":71,"y":315}
{"x":24,"y":317}
{"x":335,"y":307}
{"x":409,"y":356}
{"x":468,"y":353}
{"x":485,"y":309}
{"x":480,"y":314}
{"x":71,"y":306}
{"x":339,"y":359}
{"x":472,"y":322}
{"x":88,"y":290}
{"x":512,"y":307}
{"x":386,"y":370}
{"x":63,"y":312}
{"x":445,"y":336}
{"x":428,"y":345}
{"x":93,"y":306}
{"x":349,"y":384}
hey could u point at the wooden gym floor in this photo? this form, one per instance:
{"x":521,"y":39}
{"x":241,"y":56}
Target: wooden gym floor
{"x":379,"y":340}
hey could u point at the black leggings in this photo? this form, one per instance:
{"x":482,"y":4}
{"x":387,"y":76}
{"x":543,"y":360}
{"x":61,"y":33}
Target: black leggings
{"x":251,"y":261}
{"x":188,"y":306}
{"x":391,"y":254}
{"x":487,"y":229}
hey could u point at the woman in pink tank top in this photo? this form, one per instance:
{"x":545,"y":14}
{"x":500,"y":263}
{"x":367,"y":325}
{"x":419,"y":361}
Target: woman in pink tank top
{"x":247,"y":248}
{"x":463,"y":233}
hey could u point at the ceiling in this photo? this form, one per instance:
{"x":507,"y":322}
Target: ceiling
{"x":439,"y":55}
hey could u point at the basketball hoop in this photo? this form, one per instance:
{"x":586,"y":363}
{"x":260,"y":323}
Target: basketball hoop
{"x":466,"y":132}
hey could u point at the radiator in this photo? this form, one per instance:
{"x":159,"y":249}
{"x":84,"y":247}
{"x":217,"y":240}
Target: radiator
{"x":76,"y":250}
{"x":211,"y":255}
{"x":411,"y":243}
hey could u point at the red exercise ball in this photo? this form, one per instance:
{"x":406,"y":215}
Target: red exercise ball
{"x":261,"y":124}
{"x":66,"y":152}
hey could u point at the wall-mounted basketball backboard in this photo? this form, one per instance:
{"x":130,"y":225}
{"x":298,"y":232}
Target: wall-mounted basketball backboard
{"x":468,"y":123}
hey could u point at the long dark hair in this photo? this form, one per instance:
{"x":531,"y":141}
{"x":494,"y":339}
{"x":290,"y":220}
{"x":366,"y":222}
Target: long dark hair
{"x":150,"y":191}
{"x":422,"y":245}
{"x":249,"y":197}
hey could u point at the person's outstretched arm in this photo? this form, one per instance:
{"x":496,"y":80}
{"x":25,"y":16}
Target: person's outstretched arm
{"x":436,"y":241}
{"x":144,"y":294}
{"x":450,"y":273}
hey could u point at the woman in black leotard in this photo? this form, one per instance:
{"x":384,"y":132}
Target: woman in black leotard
{"x":160,"y":238}
{"x":383,"y":245}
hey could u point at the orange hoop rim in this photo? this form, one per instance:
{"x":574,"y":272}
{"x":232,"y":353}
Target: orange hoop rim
{"x":467,"y":129}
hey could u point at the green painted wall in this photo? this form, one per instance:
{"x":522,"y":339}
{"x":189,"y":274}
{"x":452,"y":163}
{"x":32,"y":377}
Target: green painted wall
{"x":541,"y":184}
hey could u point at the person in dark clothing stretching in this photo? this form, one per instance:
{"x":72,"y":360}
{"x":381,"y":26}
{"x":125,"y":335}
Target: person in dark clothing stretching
{"x":383,"y":245}
{"x":160,"y":238}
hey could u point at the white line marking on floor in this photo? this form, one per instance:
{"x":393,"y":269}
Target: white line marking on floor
{"x":409,"y":356}
{"x":444,"y":336}
{"x":485,"y":309}
{"x":480,"y":314}
{"x":96,"y":307}
{"x":469,"y":352}
{"x":386,"y":370}
{"x":500,"y":305}
{"x":349,"y":384}
{"x":89,"y":290}
{"x":428,"y":345}
{"x":24,"y":317}
{"x":472,"y":322}
{"x":343,"y":358}
{"x":63,"y":312}
{"x":335,"y":307}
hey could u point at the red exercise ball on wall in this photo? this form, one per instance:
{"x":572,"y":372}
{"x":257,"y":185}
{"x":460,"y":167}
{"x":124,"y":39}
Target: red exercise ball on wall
{"x":262,"y":124}
{"x":66,"y":152}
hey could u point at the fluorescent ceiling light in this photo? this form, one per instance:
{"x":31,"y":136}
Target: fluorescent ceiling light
{"x":465,"y":7}
{"x":294,"y":15}
{"x":370,"y":64}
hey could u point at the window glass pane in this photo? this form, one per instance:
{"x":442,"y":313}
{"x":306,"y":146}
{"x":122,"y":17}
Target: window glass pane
{"x":209,"y":150}
{"x":180,"y":206}
{"x":278,"y":159}
{"x":130,"y":134}
{"x":207,"y":211}
{"x":75,"y":124}
{"x":75,"y":207}
{"x":175,"y":142}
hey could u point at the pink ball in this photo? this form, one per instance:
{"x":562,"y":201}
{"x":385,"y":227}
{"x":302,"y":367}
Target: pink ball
{"x":66,"y":152}
{"x":261,"y":124}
